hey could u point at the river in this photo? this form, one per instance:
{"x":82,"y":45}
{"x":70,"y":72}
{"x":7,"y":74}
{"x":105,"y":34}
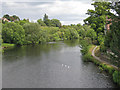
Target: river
{"x":51,"y":65}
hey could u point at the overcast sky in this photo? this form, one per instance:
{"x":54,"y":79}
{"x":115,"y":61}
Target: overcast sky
{"x":67,"y":11}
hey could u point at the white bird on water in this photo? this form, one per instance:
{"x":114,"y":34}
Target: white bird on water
{"x":65,"y":66}
{"x":68,"y":67}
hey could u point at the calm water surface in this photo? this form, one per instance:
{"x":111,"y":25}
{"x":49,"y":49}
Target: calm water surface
{"x":51,"y":65}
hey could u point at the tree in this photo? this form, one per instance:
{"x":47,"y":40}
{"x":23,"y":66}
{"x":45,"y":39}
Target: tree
{"x":41,"y":22}
{"x":46,"y":20}
{"x":32,"y":34}
{"x":97,"y":18}
{"x":0,"y":35}
{"x":13,"y":33}
{"x":91,"y":33}
{"x":45,"y":17}
{"x":113,"y":35}
{"x":16,"y":17}
{"x":56,"y":22}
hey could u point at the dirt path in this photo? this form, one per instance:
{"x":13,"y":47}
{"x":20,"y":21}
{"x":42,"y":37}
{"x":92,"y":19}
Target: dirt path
{"x":97,"y":58}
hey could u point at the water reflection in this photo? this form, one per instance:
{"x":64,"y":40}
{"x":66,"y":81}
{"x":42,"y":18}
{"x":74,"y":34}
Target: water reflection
{"x":51,"y":65}
{"x":72,"y":43}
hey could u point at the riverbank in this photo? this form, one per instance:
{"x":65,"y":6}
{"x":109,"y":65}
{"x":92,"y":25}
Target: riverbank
{"x":51,"y":65}
{"x":103,"y":65}
{"x":7,"y":45}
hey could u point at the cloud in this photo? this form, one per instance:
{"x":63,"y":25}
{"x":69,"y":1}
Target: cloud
{"x":69,"y":11}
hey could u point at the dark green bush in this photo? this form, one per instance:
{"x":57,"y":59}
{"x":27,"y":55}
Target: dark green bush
{"x":116,"y":77}
{"x":87,"y":57}
{"x":13,"y":33}
{"x":102,"y":47}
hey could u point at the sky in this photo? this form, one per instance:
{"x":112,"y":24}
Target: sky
{"x":67,"y":11}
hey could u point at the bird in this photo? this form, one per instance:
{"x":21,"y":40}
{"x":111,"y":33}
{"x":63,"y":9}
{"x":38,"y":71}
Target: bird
{"x":68,"y":67}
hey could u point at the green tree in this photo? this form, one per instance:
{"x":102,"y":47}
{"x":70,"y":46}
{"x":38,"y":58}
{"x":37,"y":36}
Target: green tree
{"x":112,"y":39}
{"x":45,"y":17}
{"x":16,"y":17}
{"x":91,"y":33}
{"x":32,"y":34}
{"x":56,"y":22}
{"x":22,"y":22}
{"x":48,"y":22}
{"x":41,"y":22}
{"x":97,"y":18}
{"x":13,"y":33}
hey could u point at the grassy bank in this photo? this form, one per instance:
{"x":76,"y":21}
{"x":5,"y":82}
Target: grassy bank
{"x":87,"y":57}
{"x":7,"y":45}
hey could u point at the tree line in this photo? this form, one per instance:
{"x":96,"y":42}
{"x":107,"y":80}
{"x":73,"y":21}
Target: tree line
{"x":21,"y":32}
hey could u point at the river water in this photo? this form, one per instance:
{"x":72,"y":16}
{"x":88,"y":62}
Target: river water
{"x":51,"y":65}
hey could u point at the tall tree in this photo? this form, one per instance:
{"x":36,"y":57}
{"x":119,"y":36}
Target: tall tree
{"x":45,"y":17}
{"x":46,"y":20}
{"x":41,"y":22}
{"x":97,"y":18}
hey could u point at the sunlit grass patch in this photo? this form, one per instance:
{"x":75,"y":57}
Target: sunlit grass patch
{"x":7,"y":45}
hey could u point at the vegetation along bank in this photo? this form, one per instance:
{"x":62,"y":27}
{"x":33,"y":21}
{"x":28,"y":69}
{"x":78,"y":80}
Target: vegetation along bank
{"x":94,"y":32}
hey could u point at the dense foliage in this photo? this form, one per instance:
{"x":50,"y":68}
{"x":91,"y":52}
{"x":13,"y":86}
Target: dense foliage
{"x":24,"y":32}
{"x":48,"y":22}
{"x":112,"y":39}
{"x":21,"y":32}
{"x":13,"y":33}
{"x":97,"y":18}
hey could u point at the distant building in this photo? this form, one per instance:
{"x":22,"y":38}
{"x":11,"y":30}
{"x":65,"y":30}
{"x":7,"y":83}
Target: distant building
{"x":107,"y":26}
{"x":5,"y":19}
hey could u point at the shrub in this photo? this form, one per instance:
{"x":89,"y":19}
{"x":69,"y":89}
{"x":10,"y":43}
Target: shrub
{"x":102,"y":47}
{"x":87,"y":57}
{"x":13,"y":33}
{"x":32,"y":35}
{"x":116,"y":77}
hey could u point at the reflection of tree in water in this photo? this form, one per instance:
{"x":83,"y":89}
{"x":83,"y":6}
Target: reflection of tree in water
{"x":72,"y":43}
{"x":35,"y":52}
{"x":29,"y":51}
{"x":13,"y":54}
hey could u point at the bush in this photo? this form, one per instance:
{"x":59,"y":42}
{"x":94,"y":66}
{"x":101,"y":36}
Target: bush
{"x":101,"y":38}
{"x":88,"y":39}
{"x":69,"y":33}
{"x":102,"y":47}
{"x":32,"y":34}
{"x":116,"y":77}
{"x":87,"y":57}
{"x":95,"y":42}
{"x":13,"y":33}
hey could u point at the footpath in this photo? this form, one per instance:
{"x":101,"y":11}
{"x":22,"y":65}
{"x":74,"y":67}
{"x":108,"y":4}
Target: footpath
{"x":97,"y":58}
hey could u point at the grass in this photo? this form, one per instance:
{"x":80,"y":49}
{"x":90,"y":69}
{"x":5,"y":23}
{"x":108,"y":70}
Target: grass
{"x":7,"y":45}
{"x":91,"y":47}
{"x":97,"y":51}
{"x":87,"y":57}
{"x":103,"y":66}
